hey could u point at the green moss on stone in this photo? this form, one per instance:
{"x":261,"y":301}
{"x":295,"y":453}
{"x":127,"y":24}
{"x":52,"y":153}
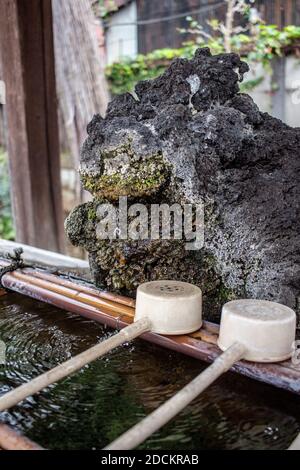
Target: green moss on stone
{"x":143,"y":178}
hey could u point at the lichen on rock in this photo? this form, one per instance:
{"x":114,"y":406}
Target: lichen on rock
{"x":190,"y":136}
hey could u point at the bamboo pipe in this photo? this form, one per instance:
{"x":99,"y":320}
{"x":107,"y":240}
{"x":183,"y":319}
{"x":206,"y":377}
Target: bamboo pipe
{"x":67,"y":368}
{"x":112,"y":319}
{"x":119,"y":299}
{"x":18,"y":279}
{"x":75,"y":294}
{"x":13,"y":440}
{"x":141,"y":431}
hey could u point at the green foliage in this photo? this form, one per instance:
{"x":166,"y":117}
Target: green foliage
{"x":270,"y":41}
{"x":261,"y":46}
{"x":124,"y":75}
{"x":6,"y":222}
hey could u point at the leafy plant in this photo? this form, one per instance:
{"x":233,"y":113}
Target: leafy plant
{"x":124,"y":75}
{"x":6,"y":221}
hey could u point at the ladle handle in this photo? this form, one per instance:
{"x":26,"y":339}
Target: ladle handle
{"x":141,"y":431}
{"x":67,"y":368}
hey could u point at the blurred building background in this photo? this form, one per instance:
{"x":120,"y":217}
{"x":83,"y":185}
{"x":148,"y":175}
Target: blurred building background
{"x":140,"y":26}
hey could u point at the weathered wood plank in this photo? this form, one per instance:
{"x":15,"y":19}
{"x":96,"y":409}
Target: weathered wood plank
{"x":33,"y":144}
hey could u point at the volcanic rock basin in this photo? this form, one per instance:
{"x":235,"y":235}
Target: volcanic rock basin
{"x":190,"y":137}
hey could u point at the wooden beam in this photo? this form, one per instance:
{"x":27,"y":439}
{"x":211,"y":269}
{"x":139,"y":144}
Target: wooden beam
{"x":26,"y":38}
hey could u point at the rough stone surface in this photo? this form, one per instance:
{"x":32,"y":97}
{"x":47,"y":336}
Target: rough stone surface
{"x":190,"y":136}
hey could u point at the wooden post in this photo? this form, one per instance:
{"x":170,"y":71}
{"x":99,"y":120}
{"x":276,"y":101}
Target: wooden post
{"x":26,"y":39}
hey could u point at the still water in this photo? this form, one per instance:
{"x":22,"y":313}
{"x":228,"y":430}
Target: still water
{"x":94,"y":406}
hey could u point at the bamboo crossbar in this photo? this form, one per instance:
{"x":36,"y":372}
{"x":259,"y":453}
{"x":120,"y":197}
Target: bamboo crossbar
{"x":119,"y":299}
{"x":90,"y":299}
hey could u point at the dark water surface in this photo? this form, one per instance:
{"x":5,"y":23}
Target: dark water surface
{"x":94,"y":406}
